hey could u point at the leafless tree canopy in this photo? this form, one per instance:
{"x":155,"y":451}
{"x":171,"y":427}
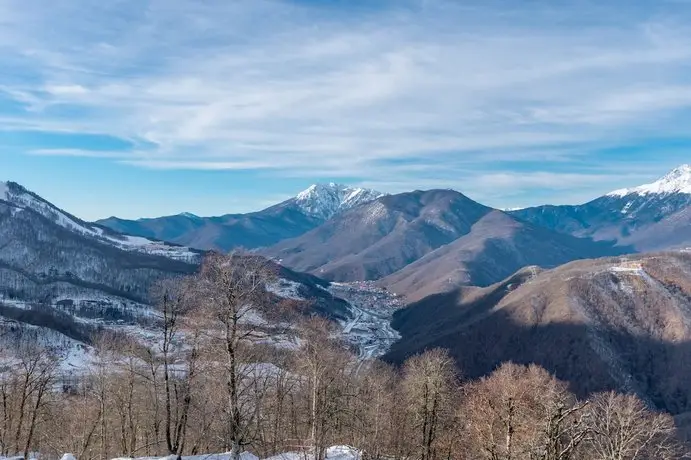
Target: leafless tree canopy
{"x":211,"y":384}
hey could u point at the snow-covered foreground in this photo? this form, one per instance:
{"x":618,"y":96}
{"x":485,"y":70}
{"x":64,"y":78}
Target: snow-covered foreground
{"x":332,"y":453}
{"x":226,"y":456}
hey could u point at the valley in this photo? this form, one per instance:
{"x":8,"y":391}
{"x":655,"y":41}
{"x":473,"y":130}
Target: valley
{"x":372,"y":308}
{"x":358,"y":287}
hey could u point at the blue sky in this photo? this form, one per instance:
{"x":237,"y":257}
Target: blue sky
{"x":151,"y":107}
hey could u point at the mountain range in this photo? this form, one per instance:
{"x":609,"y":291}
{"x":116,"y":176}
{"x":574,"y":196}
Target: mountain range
{"x":416,"y":243}
{"x":423,"y":242}
{"x":551,"y":285}
{"x":288,"y":219}
{"x":649,"y":217}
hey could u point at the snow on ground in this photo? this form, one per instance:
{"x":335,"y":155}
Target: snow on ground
{"x":14,"y":303}
{"x":332,"y":453}
{"x":85,"y":307}
{"x":73,"y":356}
{"x":76,"y":358}
{"x":636,"y":269}
{"x":326,"y":200}
{"x":226,"y":456}
{"x":286,"y":288}
{"x":371,"y":307}
{"x":628,"y":268}
{"x":139,"y":244}
{"x":368,"y":331}
{"x":627,"y":207}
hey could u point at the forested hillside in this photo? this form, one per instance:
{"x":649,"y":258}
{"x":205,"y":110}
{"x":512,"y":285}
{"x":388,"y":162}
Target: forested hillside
{"x":211,"y":384}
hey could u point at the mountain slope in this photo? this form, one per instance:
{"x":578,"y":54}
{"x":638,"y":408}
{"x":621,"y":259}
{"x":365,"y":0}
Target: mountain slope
{"x":58,"y":272}
{"x":17,"y":199}
{"x":615,"y":323}
{"x":48,"y":256}
{"x":380,"y":237}
{"x":288,"y":219}
{"x":496,"y":246}
{"x":654,"y":216}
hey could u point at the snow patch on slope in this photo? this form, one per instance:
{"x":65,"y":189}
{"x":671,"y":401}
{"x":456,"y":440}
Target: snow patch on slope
{"x":676,"y":181}
{"x":72,"y":355}
{"x":20,"y":198}
{"x":327,"y":200}
{"x":286,"y":289}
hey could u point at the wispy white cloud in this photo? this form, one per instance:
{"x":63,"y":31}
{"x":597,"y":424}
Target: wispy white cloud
{"x":430,"y":92}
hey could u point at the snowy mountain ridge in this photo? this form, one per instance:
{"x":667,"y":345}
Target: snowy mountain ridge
{"x":676,"y":181}
{"x":21,"y":199}
{"x":326,"y":200}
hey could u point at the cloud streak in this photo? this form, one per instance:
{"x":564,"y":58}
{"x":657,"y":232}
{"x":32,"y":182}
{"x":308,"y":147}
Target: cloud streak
{"x":398,"y":93}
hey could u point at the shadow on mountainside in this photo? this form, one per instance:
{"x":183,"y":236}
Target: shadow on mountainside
{"x":481,"y":337}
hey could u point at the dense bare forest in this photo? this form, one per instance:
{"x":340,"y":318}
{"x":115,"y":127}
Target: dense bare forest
{"x":211,"y":384}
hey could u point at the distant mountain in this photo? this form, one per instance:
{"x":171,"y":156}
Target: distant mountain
{"x":496,"y":246}
{"x":438,"y":239}
{"x":381,"y":237}
{"x":654,"y":216}
{"x":324,"y":201}
{"x":616,"y":323}
{"x":288,"y":219}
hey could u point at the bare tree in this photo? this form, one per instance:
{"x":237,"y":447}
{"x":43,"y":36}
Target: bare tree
{"x":430,"y":383}
{"x":25,"y":388}
{"x":377,"y":406}
{"x":624,"y":429}
{"x":179,"y":349}
{"x":326,"y":366}
{"x":522,"y":412}
{"x":73,"y":422}
{"x":233,"y":310}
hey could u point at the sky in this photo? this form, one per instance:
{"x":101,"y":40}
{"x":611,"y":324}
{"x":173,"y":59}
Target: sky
{"x":154,"y":107}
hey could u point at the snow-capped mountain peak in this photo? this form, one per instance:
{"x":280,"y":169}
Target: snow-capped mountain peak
{"x":676,"y":181}
{"x":327,"y":200}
